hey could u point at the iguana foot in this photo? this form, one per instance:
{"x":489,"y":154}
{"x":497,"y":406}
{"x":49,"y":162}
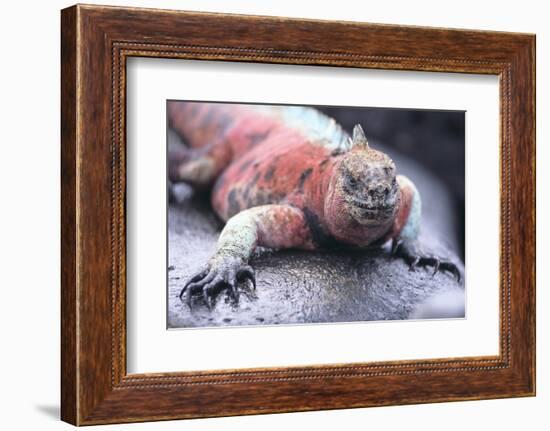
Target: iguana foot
{"x":218,"y":274}
{"x":410,"y":252}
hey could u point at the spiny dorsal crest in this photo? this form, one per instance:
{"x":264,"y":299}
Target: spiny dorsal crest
{"x":359,"y":138}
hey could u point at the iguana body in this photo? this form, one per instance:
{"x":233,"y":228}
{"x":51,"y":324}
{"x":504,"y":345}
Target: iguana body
{"x":290,"y":177}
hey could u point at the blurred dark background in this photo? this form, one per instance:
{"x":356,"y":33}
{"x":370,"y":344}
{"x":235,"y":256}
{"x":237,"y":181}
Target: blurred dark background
{"x":433,"y":139}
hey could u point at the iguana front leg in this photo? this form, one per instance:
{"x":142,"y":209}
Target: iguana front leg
{"x":273,"y":226}
{"x":405,"y":232}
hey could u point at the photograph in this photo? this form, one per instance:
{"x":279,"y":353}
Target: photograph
{"x":290,"y":214}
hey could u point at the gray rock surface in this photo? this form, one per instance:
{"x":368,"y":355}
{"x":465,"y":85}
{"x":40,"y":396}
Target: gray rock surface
{"x":312,"y":287}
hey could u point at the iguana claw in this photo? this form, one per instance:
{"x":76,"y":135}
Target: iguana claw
{"x":408,"y":250}
{"x":217,"y":275}
{"x":247,"y":273}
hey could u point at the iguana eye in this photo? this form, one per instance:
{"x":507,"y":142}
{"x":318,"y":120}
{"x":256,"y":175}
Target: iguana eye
{"x":352,"y":182}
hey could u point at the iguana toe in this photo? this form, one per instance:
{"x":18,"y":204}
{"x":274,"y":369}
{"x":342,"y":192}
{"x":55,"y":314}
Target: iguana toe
{"x":247,"y":273}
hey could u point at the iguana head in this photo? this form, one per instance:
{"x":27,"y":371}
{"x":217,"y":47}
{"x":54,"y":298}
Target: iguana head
{"x":364,"y":185}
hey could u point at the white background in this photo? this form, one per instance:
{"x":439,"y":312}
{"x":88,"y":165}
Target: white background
{"x":29,"y":223}
{"x":151,"y":348}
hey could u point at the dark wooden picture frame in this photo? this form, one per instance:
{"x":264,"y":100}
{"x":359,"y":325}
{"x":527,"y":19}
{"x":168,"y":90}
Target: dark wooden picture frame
{"x":96,"y":41}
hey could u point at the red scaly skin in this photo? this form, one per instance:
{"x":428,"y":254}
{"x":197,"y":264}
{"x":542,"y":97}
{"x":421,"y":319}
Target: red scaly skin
{"x":279,"y":184}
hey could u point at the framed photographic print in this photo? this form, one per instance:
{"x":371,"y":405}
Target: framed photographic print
{"x":258,"y":216}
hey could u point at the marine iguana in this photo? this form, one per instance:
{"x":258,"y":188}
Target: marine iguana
{"x":290,"y":177}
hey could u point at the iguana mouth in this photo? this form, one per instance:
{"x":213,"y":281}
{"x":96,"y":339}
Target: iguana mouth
{"x":368,"y":207}
{"x":368,"y":212}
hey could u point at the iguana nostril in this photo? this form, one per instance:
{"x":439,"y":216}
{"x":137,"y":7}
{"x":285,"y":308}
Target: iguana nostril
{"x":380,"y":190}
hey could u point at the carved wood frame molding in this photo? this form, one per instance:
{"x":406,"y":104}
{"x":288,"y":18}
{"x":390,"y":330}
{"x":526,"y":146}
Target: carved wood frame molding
{"x":96,"y":42}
